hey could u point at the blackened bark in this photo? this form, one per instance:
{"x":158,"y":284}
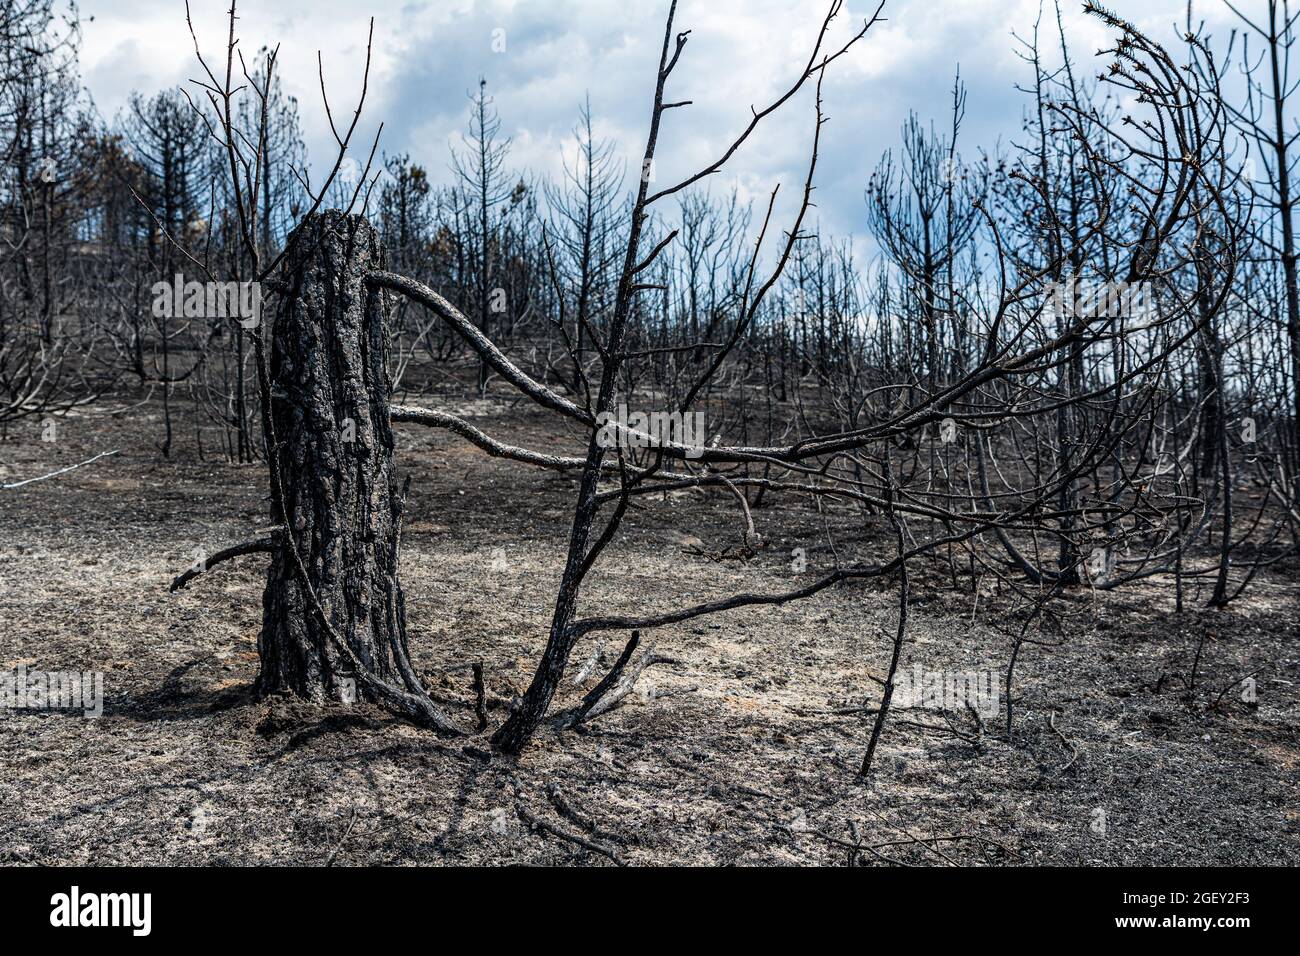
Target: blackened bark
{"x":336,"y":568}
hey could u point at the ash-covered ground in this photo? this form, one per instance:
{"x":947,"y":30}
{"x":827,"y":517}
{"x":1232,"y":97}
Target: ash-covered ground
{"x":743,"y":751}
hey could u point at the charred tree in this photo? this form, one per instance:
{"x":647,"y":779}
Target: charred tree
{"x":333,"y":603}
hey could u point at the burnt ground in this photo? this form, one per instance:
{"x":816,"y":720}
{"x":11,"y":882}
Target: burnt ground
{"x":1114,"y":761}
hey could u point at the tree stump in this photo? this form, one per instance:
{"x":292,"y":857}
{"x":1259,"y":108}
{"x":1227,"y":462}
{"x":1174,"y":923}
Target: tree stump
{"x":333,"y":605}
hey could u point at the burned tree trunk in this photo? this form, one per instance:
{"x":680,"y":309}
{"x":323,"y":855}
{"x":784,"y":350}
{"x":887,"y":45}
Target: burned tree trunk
{"x":333,"y":613}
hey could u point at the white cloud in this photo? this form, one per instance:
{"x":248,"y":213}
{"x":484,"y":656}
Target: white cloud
{"x":427,"y":56}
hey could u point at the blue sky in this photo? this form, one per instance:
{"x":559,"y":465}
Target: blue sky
{"x":429,"y":55}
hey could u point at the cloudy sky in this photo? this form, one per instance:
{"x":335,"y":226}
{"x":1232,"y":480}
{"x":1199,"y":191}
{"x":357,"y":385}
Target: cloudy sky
{"x":542,"y":57}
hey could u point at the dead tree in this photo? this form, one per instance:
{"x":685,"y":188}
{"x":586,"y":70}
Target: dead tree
{"x":333,"y":609}
{"x":333,"y":612}
{"x":1009,"y":381}
{"x":337,"y":493}
{"x":43,"y":176}
{"x":515,"y":733}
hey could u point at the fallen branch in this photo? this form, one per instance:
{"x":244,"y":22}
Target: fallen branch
{"x":581,"y":677}
{"x":567,"y":810}
{"x":606,"y":682}
{"x":234,"y":551}
{"x":61,"y":471}
{"x":539,"y":824}
{"x":329,"y":860}
{"x":1224,"y":693}
{"x":856,"y":847}
{"x":480,"y":696}
{"x":576,"y":816}
{"x":621,"y":680}
{"x":1074,"y":751}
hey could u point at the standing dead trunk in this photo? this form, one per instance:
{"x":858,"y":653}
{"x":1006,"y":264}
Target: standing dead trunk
{"x":333,"y":604}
